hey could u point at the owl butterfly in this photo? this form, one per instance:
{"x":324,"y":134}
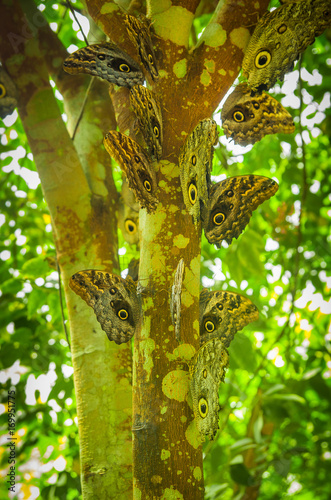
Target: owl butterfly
{"x":139,"y":34}
{"x":128,"y":215}
{"x":8,"y":94}
{"x":222,"y":314}
{"x":195,"y":165}
{"x":175,"y":301}
{"x":148,"y":111}
{"x":231,"y":203}
{"x":107,"y":61}
{"x":248,"y":119}
{"x":113,"y":299}
{"x":207,"y":370}
{"x":133,"y":161}
{"x":279,"y":37}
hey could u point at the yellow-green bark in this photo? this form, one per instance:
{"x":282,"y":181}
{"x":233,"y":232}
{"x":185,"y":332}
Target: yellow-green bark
{"x":84,"y":227}
{"x":167,"y":453}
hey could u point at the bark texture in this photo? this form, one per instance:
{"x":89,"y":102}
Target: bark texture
{"x":82,"y":202}
{"x":167,"y":454}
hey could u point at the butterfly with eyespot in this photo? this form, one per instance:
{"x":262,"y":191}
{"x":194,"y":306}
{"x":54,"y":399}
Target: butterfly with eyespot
{"x":280,"y":37}
{"x":139,"y":33}
{"x":107,"y":61}
{"x":8,"y":94}
{"x":206,"y":371}
{"x":231,"y":204}
{"x":248,"y":119}
{"x":195,"y":165}
{"x":224,"y":313}
{"x":113,"y":300}
{"x":135,"y":164}
{"x":175,"y":300}
{"x":128,"y":215}
{"x":148,"y":111}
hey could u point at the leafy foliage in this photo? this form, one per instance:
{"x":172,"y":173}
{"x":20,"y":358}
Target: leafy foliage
{"x":275,"y":425}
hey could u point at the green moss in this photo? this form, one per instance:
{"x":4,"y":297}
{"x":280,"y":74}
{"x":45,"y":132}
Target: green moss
{"x":240,"y":37}
{"x":175,"y":385}
{"x":165,"y":454}
{"x":214,"y":35}
{"x":205,"y":78}
{"x":180,"y":68}
{"x":180,"y":241}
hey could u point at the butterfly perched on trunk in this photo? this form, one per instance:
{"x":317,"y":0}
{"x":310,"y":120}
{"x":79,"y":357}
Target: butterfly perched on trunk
{"x":280,"y":37}
{"x":248,"y":119}
{"x":107,"y":61}
{"x":195,"y":165}
{"x":135,"y":164}
{"x":113,"y":300}
{"x":231,"y":204}
{"x":148,"y":112}
{"x":139,"y":32}
{"x":207,"y":369}
{"x":223,"y":313}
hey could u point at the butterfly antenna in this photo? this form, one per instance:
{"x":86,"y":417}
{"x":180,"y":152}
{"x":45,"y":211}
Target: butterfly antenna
{"x":83,"y":107}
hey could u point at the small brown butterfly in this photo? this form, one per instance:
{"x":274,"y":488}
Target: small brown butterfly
{"x":195,"y":165}
{"x":207,"y":370}
{"x":175,"y":301}
{"x":248,"y":119}
{"x":113,"y":300}
{"x":148,"y":111}
{"x":224,"y":313}
{"x":139,"y":32}
{"x":135,"y":164}
{"x":280,"y":37}
{"x":107,"y":61}
{"x":231,"y":204}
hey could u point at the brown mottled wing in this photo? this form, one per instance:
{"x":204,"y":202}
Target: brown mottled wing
{"x":128,"y":215}
{"x":113,"y":300}
{"x":135,"y":164}
{"x":223,"y":313}
{"x":280,"y":37}
{"x":139,"y":32}
{"x":231,"y":204}
{"x":248,"y":119}
{"x":8,"y":94}
{"x":207,"y":370}
{"x":148,"y":111}
{"x":175,"y":301}
{"x":195,"y":165}
{"x":107,"y":61}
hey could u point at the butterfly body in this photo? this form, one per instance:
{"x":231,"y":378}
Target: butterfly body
{"x":231,"y":204}
{"x":175,"y":301}
{"x":113,"y":299}
{"x":135,"y":164}
{"x":248,"y":119}
{"x":107,"y":61}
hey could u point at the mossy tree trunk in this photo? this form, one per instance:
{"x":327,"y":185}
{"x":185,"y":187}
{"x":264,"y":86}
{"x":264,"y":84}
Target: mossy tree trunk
{"x":167,"y":458}
{"x":167,"y":455}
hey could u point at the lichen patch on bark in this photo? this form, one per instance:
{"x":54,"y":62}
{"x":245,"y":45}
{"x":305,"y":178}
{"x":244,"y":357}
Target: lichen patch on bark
{"x":175,"y":385}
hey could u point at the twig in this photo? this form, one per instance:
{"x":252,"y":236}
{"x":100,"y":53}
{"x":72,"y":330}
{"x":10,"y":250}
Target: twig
{"x":72,"y":10}
{"x":83,"y":107}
